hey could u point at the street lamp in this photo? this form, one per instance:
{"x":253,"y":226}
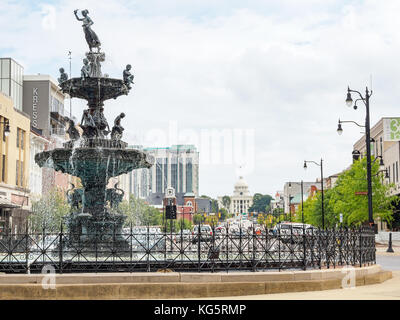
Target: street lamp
{"x":322,"y":187}
{"x":365,"y":100}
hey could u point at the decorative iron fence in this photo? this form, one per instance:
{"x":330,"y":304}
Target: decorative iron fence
{"x":147,"y":249}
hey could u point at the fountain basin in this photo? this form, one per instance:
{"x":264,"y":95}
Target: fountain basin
{"x":94,"y":90}
{"x":92,"y":163}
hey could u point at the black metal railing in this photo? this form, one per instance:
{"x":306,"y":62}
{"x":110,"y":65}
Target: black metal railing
{"x":145,"y":249}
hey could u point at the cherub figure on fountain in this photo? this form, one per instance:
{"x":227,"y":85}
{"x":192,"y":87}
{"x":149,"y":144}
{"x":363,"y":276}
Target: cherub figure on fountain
{"x":128,"y":76}
{"x":63,"y":76}
{"x":72,"y":131}
{"x":101,"y":122}
{"x":88,"y":125}
{"x":116,"y":132}
{"x":85,"y":71}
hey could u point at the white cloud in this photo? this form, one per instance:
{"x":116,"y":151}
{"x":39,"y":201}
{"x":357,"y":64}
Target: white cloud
{"x":281,"y":70}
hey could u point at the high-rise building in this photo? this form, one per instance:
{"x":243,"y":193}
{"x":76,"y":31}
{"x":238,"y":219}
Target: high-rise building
{"x":176,"y":167}
{"x":11,"y":81}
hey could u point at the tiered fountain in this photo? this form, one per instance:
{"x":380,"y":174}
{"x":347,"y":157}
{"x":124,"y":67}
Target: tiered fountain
{"x":92,"y":156}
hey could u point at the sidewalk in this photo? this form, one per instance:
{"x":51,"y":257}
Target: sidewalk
{"x":389,"y":290}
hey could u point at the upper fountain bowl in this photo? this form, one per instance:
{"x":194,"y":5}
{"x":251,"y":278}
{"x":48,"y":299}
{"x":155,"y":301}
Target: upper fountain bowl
{"x":92,"y":164}
{"x":94,"y":90}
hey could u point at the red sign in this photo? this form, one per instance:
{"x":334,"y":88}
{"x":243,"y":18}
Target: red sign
{"x":361,"y":193}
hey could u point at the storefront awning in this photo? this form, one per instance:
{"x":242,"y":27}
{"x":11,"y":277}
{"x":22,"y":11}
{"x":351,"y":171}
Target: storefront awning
{"x":5,"y":203}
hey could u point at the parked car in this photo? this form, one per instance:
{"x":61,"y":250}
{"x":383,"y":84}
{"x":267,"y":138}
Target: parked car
{"x":206,"y":233}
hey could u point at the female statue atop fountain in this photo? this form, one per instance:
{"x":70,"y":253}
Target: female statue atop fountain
{"x":91,"y":37}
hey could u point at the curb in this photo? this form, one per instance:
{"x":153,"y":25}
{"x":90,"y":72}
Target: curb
{"x":175,"y":290}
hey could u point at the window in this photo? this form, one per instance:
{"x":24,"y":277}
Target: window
{"x":180,"y":181}
{"x":3,"y":169}
{"x":4,"y":120}
{"x":17,"y":173}
{"x":158,"y":176}
{"x":22,"y":139}
{"x":394,"y":174}
{"x":18,"y":137}
{"x":189,"y":182}
{"x":22,"y":173}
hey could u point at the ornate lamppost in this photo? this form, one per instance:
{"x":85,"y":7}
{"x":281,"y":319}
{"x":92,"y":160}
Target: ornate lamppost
{"x":349,"y":103}
{"x":322,"y":187}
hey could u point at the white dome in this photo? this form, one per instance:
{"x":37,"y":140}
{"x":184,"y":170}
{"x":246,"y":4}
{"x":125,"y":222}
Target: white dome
{"x":241,"y":183}
{"x":241,"y":188}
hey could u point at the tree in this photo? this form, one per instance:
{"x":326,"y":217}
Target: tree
{"x":198,"y":218}
{"x":226,"y":202}
{"x":260,"y":202}
{"x":180,"y":224}
{"x":48,"y":211}
{"x":355,"y":207}
{"x":224,"y":214}
{"x":139,"y":213}
{"x":343,"y":199}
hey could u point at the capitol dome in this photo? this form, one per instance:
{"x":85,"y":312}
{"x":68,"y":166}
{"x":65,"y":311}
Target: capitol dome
{"x":241,"y":187}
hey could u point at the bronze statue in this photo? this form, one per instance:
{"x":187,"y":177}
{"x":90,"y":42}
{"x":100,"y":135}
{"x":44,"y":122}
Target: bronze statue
{"x":91,"y":37}
{"x":63,"y":76}
{"x":85,"y":71}
{"x":88,"y":125}
{"x":116,"y":132}
{"x":72,"y":131}
{"x":101,"y":122}
{"x":128,"y":77}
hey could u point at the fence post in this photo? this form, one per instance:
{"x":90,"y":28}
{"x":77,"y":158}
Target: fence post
{"x":304,"y":249}
{"x":198,"y":245}
{"x":254,"y":249}
{"x":360,"y":232}
{"x":60,"y":250}
{"x":27,"y":248}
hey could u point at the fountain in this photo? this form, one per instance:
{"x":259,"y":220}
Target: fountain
{"x":93,"y":157}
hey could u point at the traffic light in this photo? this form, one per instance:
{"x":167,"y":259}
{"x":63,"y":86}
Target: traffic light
{"x":170,"y":212}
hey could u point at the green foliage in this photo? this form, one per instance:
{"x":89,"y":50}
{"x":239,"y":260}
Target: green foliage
{"x":48,"y":211}
{"x":180,"y":224}
{"x":226,"y":201}
{"x":139,"y":213}
{"x":260,"y":202}
{"x":342,"y":199}
{"x":224,"y":214}
{"x":198,"y":218}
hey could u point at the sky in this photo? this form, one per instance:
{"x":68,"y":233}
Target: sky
{"x":257,"y":86}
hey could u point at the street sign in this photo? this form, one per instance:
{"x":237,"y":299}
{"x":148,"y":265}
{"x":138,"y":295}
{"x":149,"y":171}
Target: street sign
{"x":361,"y":193}
{"x":170,"y":212}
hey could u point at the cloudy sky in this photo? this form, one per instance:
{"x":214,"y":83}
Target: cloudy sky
{"x":268,"y":77}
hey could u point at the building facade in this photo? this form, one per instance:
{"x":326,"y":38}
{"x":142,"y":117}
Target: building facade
{"x":241,"y":200}
{"x":14,"y":166}
{"x":11,"y":81}
{"x":44,"y":103}
{"x":38,"y":143}
{"x":384,"y":146}
{"x":175,"y":167}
